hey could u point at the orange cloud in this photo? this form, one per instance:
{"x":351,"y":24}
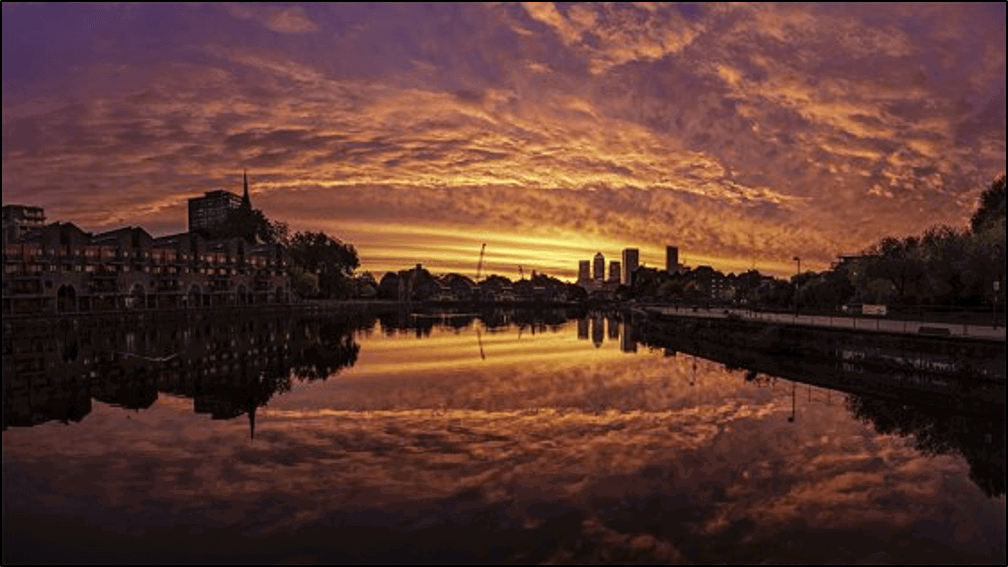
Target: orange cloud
{"x":741,"y":134}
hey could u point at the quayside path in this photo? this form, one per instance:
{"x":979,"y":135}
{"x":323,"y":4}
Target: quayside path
{"x":865,"y":323}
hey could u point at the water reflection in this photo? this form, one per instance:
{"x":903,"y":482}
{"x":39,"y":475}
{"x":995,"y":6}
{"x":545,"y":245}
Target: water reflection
{"x":946,"y":401}
{"x":980,"y":439}
{"x":228,"y":366}
{"x":493,"y":437}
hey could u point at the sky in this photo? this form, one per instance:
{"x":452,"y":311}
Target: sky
{"x":746,"y":135}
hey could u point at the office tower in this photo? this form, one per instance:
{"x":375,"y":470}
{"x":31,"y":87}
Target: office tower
{"x":631,"y":259}
{"x":584,"y":271}
{"x":671,"y":259}
{"x":598,"y":268}
{"x":614,"y":271}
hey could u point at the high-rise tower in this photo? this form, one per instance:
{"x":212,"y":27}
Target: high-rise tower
{"x":671,"y":259}
{"x":598,"y":268}
{"x":631,"y":259}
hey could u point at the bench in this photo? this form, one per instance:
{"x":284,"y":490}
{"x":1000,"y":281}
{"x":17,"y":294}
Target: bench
{"x":942,"y":331}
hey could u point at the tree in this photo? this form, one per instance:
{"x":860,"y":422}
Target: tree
{"x":671,"y":289}
{"x":365,"y":286}
{"x":826,"y":290}
{"x":331,"y":260}
{"x":992,"y":206}
{"x":332,"y":349}
{"x":305,"y":284}
{"x":388,"y":287}
{"x":774,"y":292}
{"x":250,"y":224}
{"x":952,"y":274}
{"x":899,"y":262}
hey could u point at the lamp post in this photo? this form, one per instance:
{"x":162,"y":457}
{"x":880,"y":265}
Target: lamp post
{"x":798,"y":273}
{"x":997,"y":287}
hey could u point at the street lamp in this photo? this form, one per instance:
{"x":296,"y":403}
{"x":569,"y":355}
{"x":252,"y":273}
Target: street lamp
{"x":997,"y":287}
{"x":798,"y":273}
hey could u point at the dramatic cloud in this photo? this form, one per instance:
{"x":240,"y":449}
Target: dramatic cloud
{"x":743,"y":134}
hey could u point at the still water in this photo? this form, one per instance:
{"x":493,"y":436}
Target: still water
{"x":499,"y":438}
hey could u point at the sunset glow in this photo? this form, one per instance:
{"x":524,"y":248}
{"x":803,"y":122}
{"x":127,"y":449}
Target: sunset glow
{"x":743,"y":134}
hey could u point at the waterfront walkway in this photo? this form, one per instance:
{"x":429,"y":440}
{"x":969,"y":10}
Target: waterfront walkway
{"x":866,"y":324}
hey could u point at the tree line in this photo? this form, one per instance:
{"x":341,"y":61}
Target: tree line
{"x":945,"y":266}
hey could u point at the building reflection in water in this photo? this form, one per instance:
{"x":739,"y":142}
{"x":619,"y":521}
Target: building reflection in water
{"x":598,"y":330}
{"x":620,"y":328}
{"x":228,"y":366}
{"x":228,"y":363}
{"x":614,"y":328}
{"x":628,"y":342}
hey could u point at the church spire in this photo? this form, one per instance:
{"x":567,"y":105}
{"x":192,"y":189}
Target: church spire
{"x":246,"y":203}
{"x":251,"y":415}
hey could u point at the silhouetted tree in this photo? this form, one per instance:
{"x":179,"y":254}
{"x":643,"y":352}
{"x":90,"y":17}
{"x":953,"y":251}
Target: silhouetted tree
{"x":388,"y":287}
{"x":898,"y":262}
{"x":331,"y":260}
{"x":304,"y":283}
{"x":333,"y":348}
{"x":825,"y":290}
{"x":250,"y":224}
{"x":978,"y":438}
{"x":992,"y":206}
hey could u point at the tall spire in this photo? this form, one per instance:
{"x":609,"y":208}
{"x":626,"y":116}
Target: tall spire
{"x":246,"y":203}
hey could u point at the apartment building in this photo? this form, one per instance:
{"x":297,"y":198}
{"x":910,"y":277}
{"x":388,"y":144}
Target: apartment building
{"x":59,"y":268}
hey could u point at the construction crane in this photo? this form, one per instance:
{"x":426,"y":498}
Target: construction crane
{"x":479,"y":266}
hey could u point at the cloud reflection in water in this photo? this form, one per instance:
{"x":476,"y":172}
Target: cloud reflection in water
{"x":591,"y":455}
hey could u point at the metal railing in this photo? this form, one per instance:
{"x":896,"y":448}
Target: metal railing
{"x":887,"y":324}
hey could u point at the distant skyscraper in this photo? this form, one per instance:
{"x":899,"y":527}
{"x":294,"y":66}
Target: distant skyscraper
{"x":671,"y":259}
{"x":598,"y":267}
{"x":584,"y":271}
{"x":614,"y":272}
{"x":631,"y":259}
